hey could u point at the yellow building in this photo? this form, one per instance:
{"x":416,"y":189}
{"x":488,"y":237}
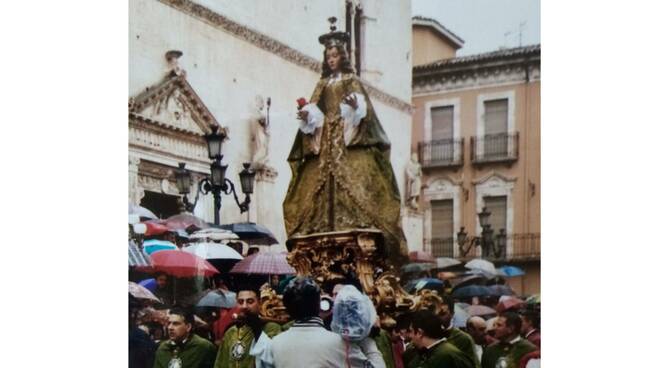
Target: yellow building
{"x":476,"y":129}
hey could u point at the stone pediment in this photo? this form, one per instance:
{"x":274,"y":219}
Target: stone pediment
{"x":173,"y":104}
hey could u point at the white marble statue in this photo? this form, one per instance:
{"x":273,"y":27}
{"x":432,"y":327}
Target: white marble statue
{"x":413,"y":181}
{"x":260,"y":133}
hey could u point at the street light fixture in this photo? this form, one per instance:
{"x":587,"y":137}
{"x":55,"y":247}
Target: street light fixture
{"x":218,"y":183}
{"x":485,"y":241}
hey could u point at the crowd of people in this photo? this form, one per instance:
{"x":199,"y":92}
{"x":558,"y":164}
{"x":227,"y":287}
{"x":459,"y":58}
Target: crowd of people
{"x":327,"y":328}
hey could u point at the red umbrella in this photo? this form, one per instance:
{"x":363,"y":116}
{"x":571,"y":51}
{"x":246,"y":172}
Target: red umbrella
{"x":154,"y":228}
{"x":509,"y":303}
{"x":183,"y":221}
{"x":181,"y":264}
{"x":265,"y":263}
{"x":419,"y":256}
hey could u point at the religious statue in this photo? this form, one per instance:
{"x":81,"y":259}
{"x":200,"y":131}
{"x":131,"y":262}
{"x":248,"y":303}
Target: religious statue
{"x":413,"y":181}
{"x":260,"y":133}
{"x":342,"y":178}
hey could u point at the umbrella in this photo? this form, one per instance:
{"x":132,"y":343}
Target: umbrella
{"x":213,"y":233}
{"x":212,"y":251}
{"x":483,"y":265}
{"x":156,"y":245}
{"x":425,"y":283}
{"x":480,"y":310}
{"x":141,"y":211}
{"x":251,"y":233}
{"x":419,"y":256}
{"x":181,"y":264}
{"x":534,"y":299}
{"x":264,"y":263}
{"x":140,"y":292}
{"x":154,"y":228}
{"x":499,"y":290}
{"x":416,"y":267}
{"x":444,"y":262}
{"x":470,"y":291}
{"x":509,"y":303}
{"x":150,"y":284}
{"x":216,"y":299}
{"x":136,"y":256}
{"x":470,"y":279}
{"x":510,"y":271}
{"x":460,"y":317}
{"x":446,"y":275}
{"x":184,"y":221}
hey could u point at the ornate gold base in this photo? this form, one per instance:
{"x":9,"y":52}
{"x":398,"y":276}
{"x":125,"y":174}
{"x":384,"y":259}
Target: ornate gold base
{"x":337,"y":256}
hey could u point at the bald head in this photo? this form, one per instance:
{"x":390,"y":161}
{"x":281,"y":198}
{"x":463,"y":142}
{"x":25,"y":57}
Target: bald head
{"x":476,"y":327}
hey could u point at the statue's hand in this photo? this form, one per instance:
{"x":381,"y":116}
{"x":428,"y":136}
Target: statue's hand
{"x":302,"y":115}
{"x":351,"y":101}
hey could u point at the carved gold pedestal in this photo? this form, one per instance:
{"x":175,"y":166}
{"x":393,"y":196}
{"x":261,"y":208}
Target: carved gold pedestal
{"x":333,"y":257}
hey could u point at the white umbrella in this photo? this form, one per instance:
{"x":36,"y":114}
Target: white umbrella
{"x":482,"y":265}
{"x":141,"y":211}
{"x":209,"y":250}
{"x":214,"y":234}
{"x":443,"y":262}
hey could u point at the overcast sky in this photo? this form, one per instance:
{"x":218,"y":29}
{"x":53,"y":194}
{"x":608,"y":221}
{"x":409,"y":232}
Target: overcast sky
{"x":482,"y":24}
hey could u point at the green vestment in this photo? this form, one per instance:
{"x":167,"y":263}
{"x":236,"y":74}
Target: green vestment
{"x":236,"y":343}
{"x":196,"y":352}
{"x":442,"y":355}
{"x":464,"y":343}
{"x":384,"y":345}
{"x":505,"y":355}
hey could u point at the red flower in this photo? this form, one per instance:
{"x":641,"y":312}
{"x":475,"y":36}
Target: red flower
{"x":301,"y":102}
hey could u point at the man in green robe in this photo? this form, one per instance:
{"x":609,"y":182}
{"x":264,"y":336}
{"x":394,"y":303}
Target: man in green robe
{"x":183,"y":349}
{"x":458,"y":338}
{"x":510,"y":348}
{"x":433,"y":348}
{"x":239,"y":338}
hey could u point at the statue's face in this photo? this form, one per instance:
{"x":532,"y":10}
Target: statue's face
{"x":333,"y":58}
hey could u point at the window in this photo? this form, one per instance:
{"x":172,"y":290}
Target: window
{"x":442,"y":134}
{"x":442,"y":228}
{"x":497,"y":207}
{"x":495,"y":127}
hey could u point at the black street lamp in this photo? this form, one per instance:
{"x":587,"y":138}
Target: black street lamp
{"x":217,"y":183}
{"x":485,"y":241}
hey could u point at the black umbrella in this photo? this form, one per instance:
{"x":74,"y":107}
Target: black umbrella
{"x":251,"y":233}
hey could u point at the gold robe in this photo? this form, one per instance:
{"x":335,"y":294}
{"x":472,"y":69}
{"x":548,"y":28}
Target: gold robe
{"x":344,"y":186}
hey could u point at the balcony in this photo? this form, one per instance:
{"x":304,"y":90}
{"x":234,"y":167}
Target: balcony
{"x":520,"y":247}
{"x":492,"y":148}
{"x":441,"y":153}
{"x":442,"y":247}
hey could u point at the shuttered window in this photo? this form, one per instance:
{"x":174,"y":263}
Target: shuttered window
{"x":442,"y":122}
{"x":496,"y":112}
{"x":442,"y":228}
{"x":497,"y":207}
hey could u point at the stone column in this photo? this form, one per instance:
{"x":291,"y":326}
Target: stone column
{"x":135,"y":191}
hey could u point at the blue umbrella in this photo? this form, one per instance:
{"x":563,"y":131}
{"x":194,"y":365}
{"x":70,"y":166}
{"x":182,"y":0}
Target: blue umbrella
{"x":425,"y":283}
{"x":150,"y":284}
{"x":417,"y":267}
{"x":155,"y":245}
{"x":510,"y":271}
{"x":499,"y":290}
{"x":470,"y":291}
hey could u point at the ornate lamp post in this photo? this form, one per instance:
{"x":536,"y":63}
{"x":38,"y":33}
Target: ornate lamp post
{"x":217,"y":183}
{"x":485,"y":241}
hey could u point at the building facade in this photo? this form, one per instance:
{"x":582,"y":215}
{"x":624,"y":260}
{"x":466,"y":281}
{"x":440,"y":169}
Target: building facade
{"x":476,"y":130}
{"x":225,"y":60}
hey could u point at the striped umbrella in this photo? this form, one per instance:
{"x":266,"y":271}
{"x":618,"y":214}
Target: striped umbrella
{"x":136,"y":256}
{"x":264,"y":263}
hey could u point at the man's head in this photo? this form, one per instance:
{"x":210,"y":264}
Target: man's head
{"x":161,"y":280}
{"x":403,"y":326}
{"x":507,"y":326}
{"x":530,"y":320}
{"x":446,"y":311}
{"x":476,"y":327}
{"x":426,"y":327}
{"x":248,"y":301}
{"x":302,"y":298}
{"x":179,"y":324}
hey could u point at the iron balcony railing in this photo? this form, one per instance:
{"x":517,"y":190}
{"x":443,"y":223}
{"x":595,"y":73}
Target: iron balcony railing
{"x":501,"y":147}
{"x":441,"y":153}
{"x":519,"y":247}
{"x":442,"y":247}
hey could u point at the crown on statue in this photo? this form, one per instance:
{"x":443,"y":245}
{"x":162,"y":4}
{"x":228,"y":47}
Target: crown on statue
{"x":334,"y":37}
